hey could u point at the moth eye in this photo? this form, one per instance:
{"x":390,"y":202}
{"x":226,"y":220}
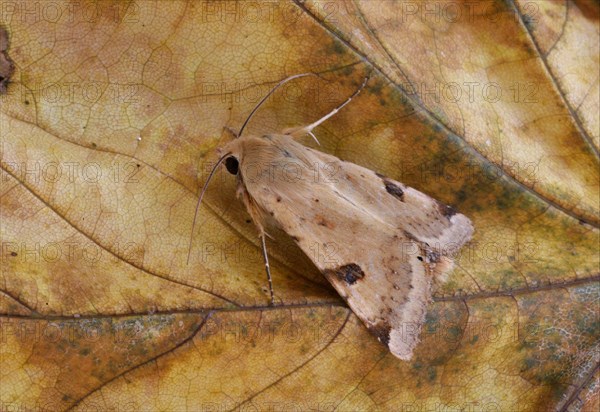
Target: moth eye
{"x":232,"y":165}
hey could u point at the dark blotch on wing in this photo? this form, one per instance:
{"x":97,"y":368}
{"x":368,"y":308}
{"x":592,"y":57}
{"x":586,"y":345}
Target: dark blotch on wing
{"x":432,"y":257}
{"x":348,"y":273}
{"x":446,"y":210}
{"x":381,"y":330}
{"x":321,"y":221}
{"x":394,"y":190}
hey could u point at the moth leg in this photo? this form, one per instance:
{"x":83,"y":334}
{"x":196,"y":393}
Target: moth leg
{"x":304,"y":130}
{"x":267,"y":268}
{"x":314,"y":137}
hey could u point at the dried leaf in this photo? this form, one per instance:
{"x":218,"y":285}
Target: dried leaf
{"x":109,"y":127}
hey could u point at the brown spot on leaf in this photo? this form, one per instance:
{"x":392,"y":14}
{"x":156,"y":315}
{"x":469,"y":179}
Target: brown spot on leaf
{"x":348,"y":273}
{"x":6,"y":65}
{"x":381,"y":330}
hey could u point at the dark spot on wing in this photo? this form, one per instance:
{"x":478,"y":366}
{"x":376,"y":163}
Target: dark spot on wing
{"x":432,"y":257}
{"x":278,"y":198}
{"x":321,"y":221}
{"x":391,"y":187}
{"x":446,"y":210}
{"x":295,"y":238}
{"x":286,"y":153}
{"x":394,"y":190}
{"x":348,"y":273}
{"x":381,"y":330}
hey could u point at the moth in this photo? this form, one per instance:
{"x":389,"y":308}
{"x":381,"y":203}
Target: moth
{"x":390,"y":242}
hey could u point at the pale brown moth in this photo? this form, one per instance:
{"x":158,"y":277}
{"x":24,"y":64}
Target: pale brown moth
{"x":390,"y":240}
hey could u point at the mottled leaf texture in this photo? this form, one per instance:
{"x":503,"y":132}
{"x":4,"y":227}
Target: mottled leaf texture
{"x":110,"y":115}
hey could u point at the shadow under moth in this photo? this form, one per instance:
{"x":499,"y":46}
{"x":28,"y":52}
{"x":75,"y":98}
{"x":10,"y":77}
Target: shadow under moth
{"x":391,"y":241}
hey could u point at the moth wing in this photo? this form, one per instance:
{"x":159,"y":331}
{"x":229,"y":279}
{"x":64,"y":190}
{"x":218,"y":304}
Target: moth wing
{"x":416,"y":214}
{"x":378,"y":242}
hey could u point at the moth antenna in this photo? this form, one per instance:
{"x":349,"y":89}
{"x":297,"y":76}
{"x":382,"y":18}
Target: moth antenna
{"x":267,"y":268}
{"x":212,"y":172}
{"x":281,"y":83}
{"x":301,"y":131}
